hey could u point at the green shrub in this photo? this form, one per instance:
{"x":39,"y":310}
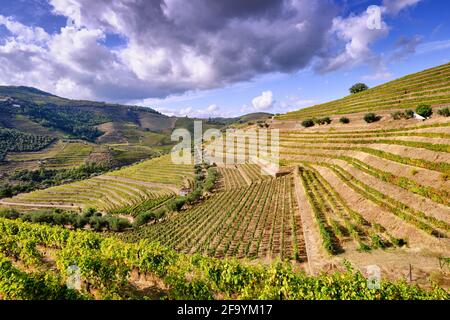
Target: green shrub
{"x":409,"y":114}
{"x":176,"y":204}
{"x":424,"y":110}
{"x":322,"y":121}
{"x":9,"y":214}
{"x":117,"y":224}
{"x":89,"y":212}
{"x":397,"y":115}
{"x":308,"y":123}
{"x":444,"y":112}
{"x":344,"y":120}
{"x":98,"y":223}
{"x":371,"y":117}
{"x":143,"y":218}
{"x":160,"y":212}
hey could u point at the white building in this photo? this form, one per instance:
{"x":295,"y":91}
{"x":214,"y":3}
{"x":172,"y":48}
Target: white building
{"x":419,"y":117}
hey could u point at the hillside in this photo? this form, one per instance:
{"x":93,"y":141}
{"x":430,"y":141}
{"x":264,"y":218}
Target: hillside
{"x":367,"y":193}
{"x":54,"y":112}
{"x":430,"y":86}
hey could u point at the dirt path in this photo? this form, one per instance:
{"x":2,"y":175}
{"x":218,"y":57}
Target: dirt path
{"x":244,"y":175}
{"x":317,"y":260}
{"x":39,"y":205}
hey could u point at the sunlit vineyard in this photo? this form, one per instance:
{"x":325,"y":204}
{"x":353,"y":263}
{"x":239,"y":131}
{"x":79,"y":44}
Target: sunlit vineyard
{"x":256,"y":221}
{"x":348,"y":193}
{"x":431,"y":86}
{"x":158,"y":170}
{"x":111,"y":269}
{"x":128,"y":187}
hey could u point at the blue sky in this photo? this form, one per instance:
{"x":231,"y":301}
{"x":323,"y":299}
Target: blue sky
{"x":216,"y":60}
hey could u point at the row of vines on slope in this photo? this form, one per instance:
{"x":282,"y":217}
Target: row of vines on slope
{"x":105,"y":265}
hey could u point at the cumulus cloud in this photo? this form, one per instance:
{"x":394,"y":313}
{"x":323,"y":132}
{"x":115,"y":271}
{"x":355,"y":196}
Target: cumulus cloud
{"x":175,"y":46}
{"x":356,"y":32}
{"x":294,"y":102}
{"x":358,"y":38}
{"x":264,"y":101}
{"x":212,"y":108}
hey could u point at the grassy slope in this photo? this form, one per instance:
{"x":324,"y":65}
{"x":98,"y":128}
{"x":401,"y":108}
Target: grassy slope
{"x":429,"y":86}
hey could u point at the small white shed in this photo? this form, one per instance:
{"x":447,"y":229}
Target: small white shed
{"x":419,"y":117}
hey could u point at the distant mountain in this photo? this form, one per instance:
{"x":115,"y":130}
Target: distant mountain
{"x":74,"y":118}
{"x":33,"y":111}
{"x":22,"y":92}
{"x":250,"y":117}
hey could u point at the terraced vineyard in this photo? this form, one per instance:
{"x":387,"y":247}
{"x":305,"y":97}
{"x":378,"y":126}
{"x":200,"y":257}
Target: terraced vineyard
{"x":111,"y":269}
{"x":369,"y":189}
{"x":431,"y":86}
{"x":158,"y":170}
{"x":60,"y":155}
{"x":241,"y":175}
{"x":256,"y":221}
{"x":153,"y":179}
{"x":338,"y":224}
{"x":370,"y":194}
{"x":231,"y":178}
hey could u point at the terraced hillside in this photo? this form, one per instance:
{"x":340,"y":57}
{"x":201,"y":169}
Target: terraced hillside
{"x":57,"y":156}
{"x":152,"y":179}
{"x":373,"y":193}
{"x":242,"y":175}
{"x":375,"y":186}
{"x":431,"y":86}
{"x":255,"y":220}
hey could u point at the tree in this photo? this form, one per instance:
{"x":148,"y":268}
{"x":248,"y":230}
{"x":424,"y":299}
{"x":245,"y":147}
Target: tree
{"x":359,"y":87}
{"x":371,"y":117}
{"x":424,"y":110}
{"x":308,"y":123}
{"x":344,"y":120}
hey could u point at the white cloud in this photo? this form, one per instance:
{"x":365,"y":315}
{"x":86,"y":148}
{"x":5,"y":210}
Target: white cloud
{"x":212,"y":111}
{"x":170,"y":46}
{"x":264,"y":101}
{"x":185,"y":111}
{"x":24,"y":33}
{"x":358,"y":38}
{"x":173,"y":47}
{"x":212,"y":108}
{"x":395,"y":6}
{"x":294,"y":103}
{"x":245,"y":109}
{"x":381,"y":74}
